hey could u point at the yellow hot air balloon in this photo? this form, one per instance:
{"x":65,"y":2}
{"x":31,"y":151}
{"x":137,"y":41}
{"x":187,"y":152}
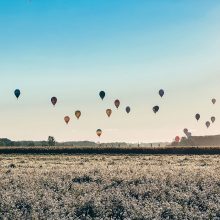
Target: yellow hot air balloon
{"x":67,"y":119}
{"x":109,"y":112}
{"x":78,"y":114}
{"x":99,"y":132}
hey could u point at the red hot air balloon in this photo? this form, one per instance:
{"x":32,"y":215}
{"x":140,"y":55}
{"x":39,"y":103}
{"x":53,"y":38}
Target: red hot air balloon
{"x":67,"y":119}
{"x":117,"y":103}
{"x":54,"y":101}
{"x":177,"y":139}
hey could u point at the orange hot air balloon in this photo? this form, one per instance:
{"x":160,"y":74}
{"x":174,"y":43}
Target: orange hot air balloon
{"x":67,"y":119}
{"x":109,"y":112}
{"x":177,"y":139}
{"x":78,"y":114}
{"x":117,"y":103}
{"x":99,"y":132}
{"x":54,"y":100}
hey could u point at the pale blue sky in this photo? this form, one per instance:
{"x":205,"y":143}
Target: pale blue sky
{"x":129,"y":48}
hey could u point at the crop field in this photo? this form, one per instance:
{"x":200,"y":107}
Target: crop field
{"x":109,"y":186}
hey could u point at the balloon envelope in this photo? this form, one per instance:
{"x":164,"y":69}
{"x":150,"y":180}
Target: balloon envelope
{"x":54,"y":100}
{"x":185,"y":131}
{"x":177,"y":139}
{"x":67,"y":119}
{"x":207,"y":124}
{"x":161,"y":93}
{"x":197,"y":117}
{"x":213,"y":119}
{"x":78,"y":114}
{"x":128,"y":109}
{"x":102,"y":95}
{"x":17,"y":93}
{"x":109,"y":112}
{"x":213,"y":101}
{"x":156,"y":109}
{"x":99,"y":132}
{"x":117,"y":103}
{"x":189,"y":134}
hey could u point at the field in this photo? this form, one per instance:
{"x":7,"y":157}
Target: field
{"x":109,"y":187}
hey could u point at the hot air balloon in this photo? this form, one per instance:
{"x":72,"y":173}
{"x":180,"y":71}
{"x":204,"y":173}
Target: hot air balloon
{"x":161,"y":93}
{"x":213,"y":119}
{"x":17,"y":93}
{"x":197,"y":116}
{"x":102,"y":95}
{"x":67,"y":119}
{"x":78,"y":114}
{"x":156,"y":109}
{"x":117,"y":103}
{"x":207,"y":124}
{"x":99,"y":132}
{"x":109,"y":112}
{"x":213,"y":101}
{"x":189,"y":134}
{"x":54,"y":101}
{"x":185,"y":131}
{"x":177,"y":139}
{"x":128,"y":109}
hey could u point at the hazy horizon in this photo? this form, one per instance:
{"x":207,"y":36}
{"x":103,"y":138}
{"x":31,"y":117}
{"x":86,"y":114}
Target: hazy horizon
{"x":130,"y":49}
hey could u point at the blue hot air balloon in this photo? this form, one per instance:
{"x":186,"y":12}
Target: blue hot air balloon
{"x":161,"y":93}
{"x":17,"y":93}
{"x":128,"y":109}
{"x":102,"y":95}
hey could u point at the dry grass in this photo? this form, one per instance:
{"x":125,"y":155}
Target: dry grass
{"x":109,"y":187}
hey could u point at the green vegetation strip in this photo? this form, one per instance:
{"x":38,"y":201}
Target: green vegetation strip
{"x":107,"y":150}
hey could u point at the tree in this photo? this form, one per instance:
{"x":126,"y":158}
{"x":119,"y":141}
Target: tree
{"x":31,"y":144}
{"x":6,"y":142}
{"x":44,"y":143}
{"x":51,"y":141}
